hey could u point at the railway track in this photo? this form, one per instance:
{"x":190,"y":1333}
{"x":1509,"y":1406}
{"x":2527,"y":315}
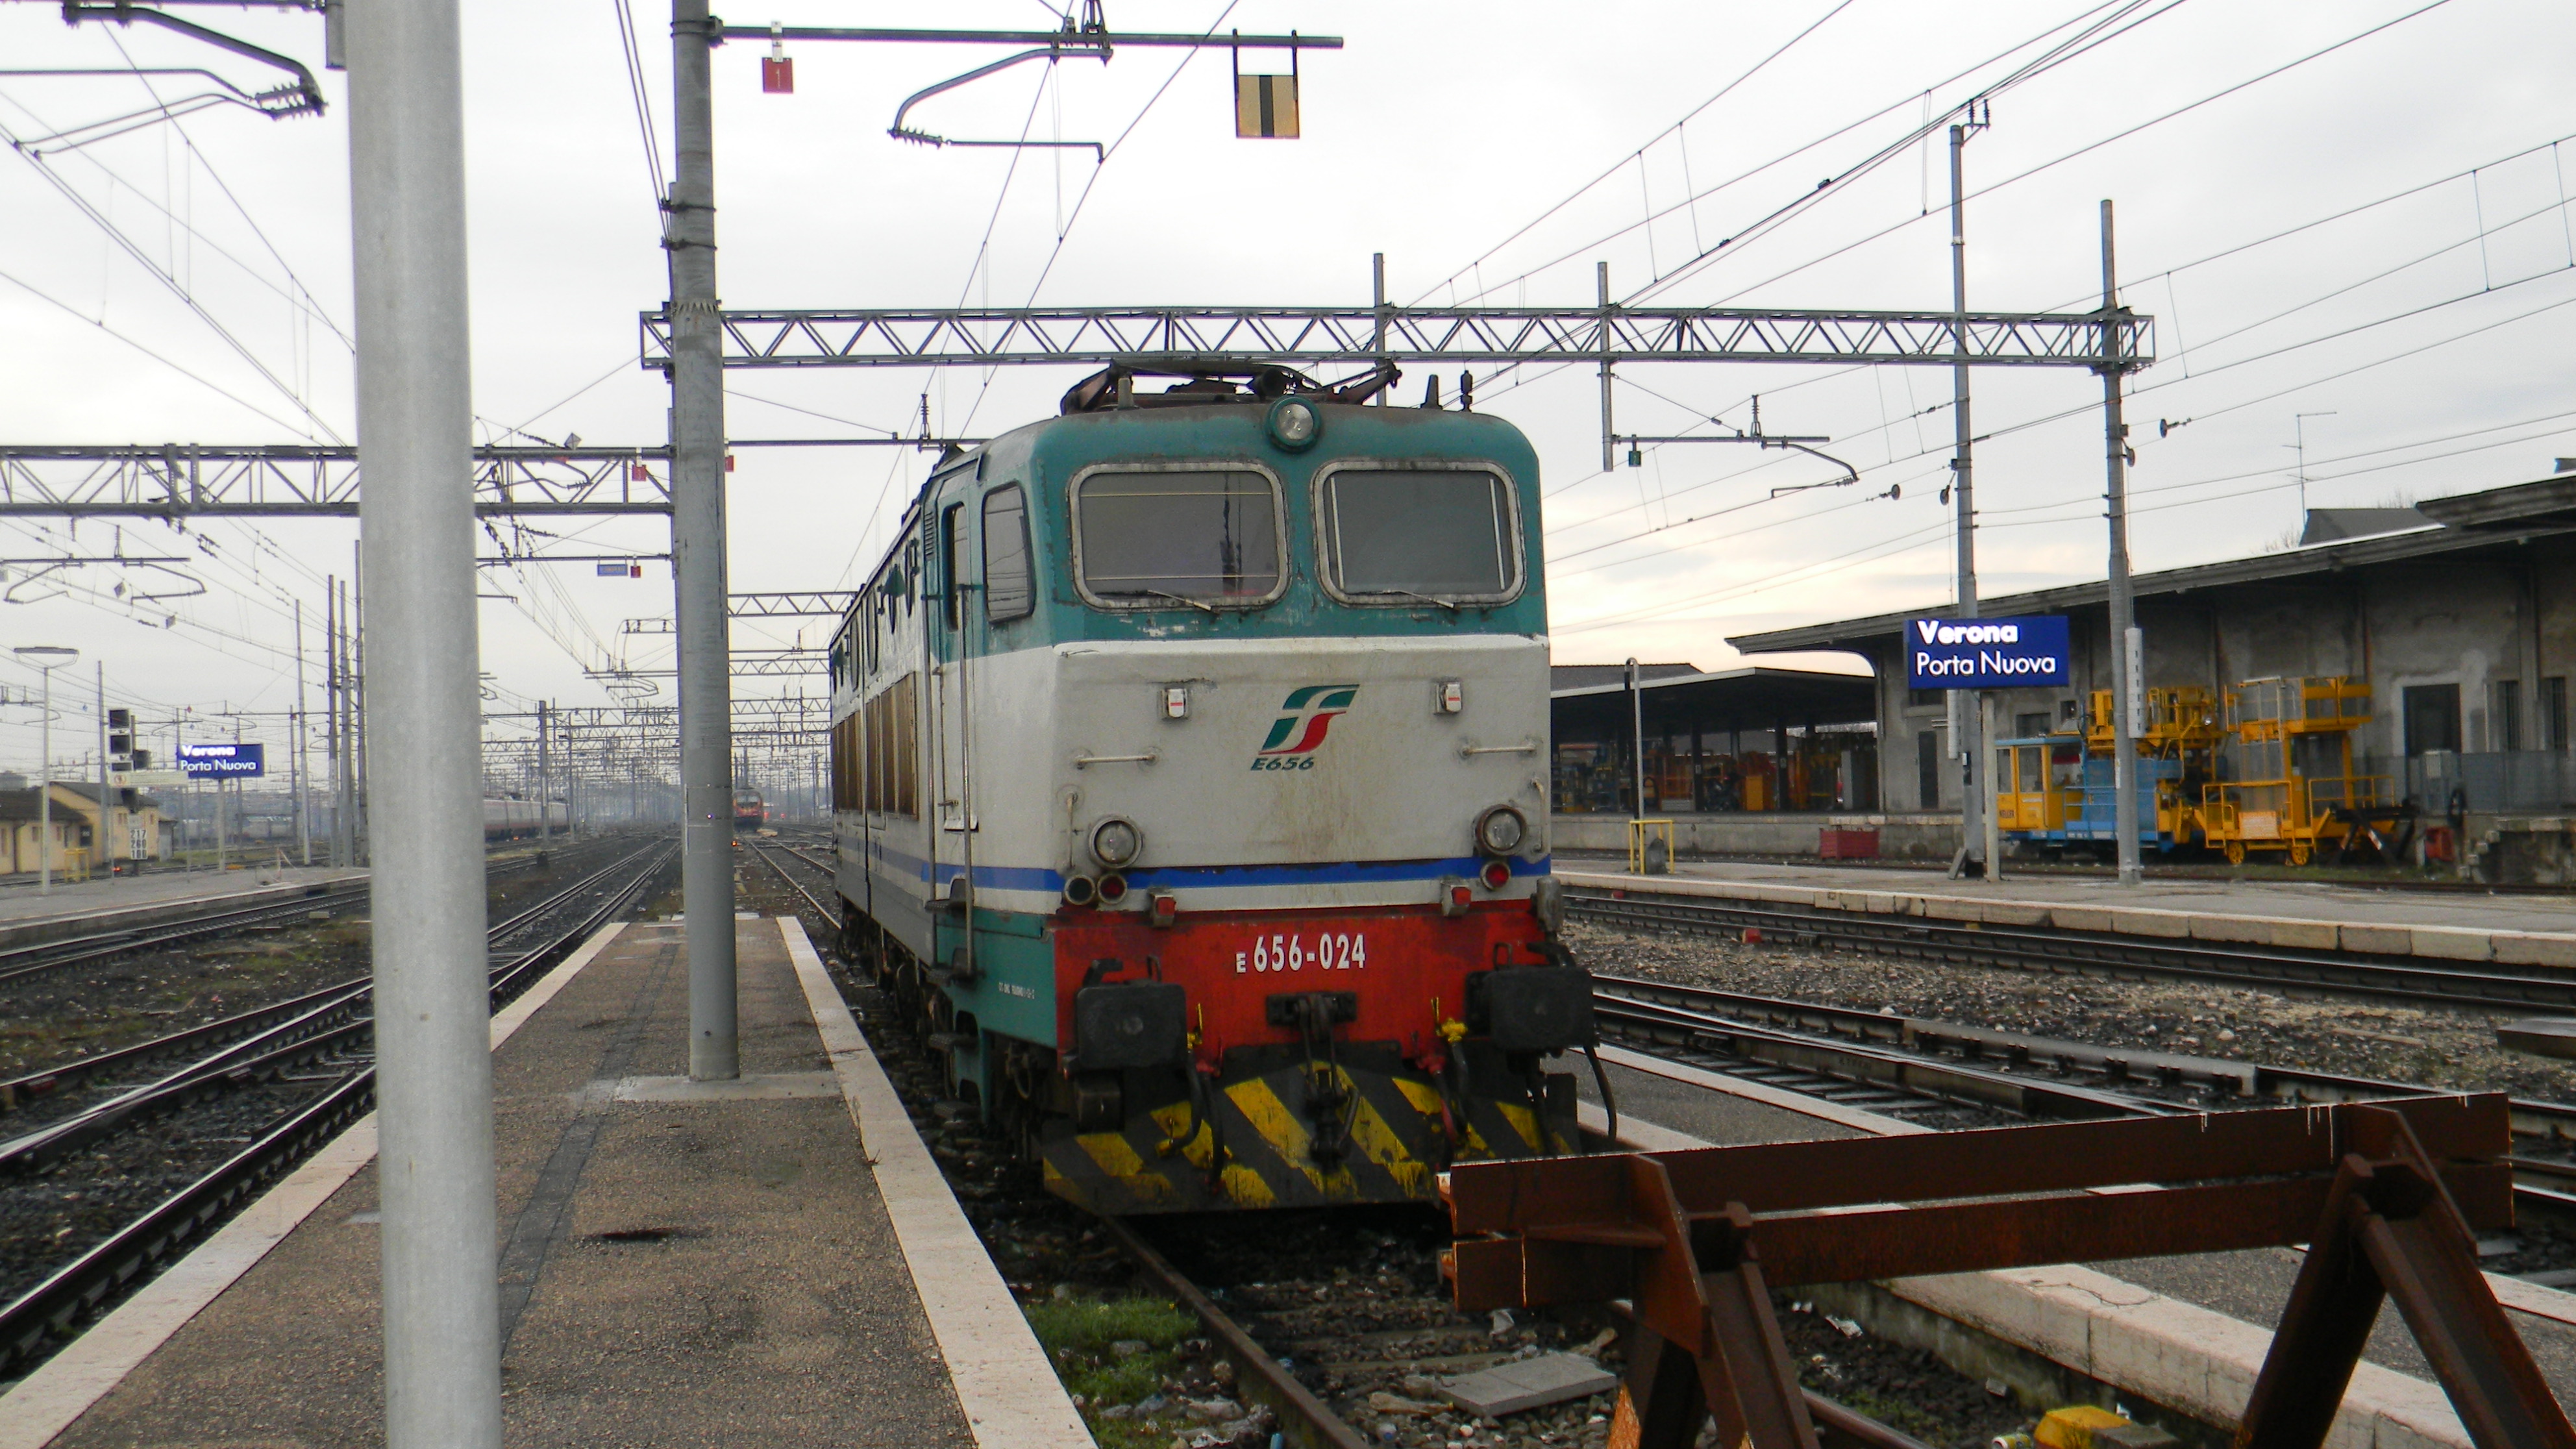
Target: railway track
{"x":821,"y":906}
{"x":1910,"y":1067}
{"x":328,"y":898}
{"x":330,"y":1030}
{"x":25,"y":961}
{"x":2223,"y":875}
{"x":2414,"y":980}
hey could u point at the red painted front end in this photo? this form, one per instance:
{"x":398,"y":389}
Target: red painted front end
{"x":1407,"y":965}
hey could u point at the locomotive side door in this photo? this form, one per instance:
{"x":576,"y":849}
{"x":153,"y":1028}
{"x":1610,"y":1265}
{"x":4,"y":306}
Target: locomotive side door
{"x":952,"y":837}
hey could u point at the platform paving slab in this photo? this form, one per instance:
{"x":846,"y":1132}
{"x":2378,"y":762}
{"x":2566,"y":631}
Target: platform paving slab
{"x":716,"y":1267}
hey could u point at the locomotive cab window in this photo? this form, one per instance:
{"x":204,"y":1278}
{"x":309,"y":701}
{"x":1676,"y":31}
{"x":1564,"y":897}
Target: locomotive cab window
{"x":1447,"y":535}
{"x":1189,"y":535}
{"x":1009,"y":590}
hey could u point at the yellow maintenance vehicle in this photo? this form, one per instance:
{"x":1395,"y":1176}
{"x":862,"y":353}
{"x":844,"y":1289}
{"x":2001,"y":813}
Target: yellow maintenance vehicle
{"x":2294,"y":787}
{"x":2057,"y":790}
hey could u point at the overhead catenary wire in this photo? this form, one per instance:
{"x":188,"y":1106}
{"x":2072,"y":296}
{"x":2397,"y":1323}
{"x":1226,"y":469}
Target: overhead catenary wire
{"x":1675,"y":129}
{"x":177,"y":288}
{"x":1769,"y":224}
{"x":1503,"y":382}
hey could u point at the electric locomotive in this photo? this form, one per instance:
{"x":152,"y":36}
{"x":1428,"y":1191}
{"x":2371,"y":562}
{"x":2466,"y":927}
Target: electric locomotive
{"x":1189,"y":775}
{"x":750,"y":812}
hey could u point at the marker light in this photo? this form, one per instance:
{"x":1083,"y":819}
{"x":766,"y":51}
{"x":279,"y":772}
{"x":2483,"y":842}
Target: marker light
{"x":1496,"y":874}
{"x":1113,"y":888}
{"x":1080,"y":890}
{"x":1499,"y":831}
{"x":1115,"y":842}
{"x":1294,"y":424}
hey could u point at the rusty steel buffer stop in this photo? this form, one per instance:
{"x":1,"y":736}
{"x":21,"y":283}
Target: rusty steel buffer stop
{"x":2389,"y":1197}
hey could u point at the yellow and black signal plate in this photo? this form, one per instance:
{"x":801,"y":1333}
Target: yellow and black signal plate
{"x":1395,"y":1147}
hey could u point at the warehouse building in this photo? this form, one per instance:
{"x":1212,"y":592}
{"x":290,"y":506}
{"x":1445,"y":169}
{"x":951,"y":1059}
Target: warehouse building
{"x":2459,"y":614}
{"x":1743,"y":761}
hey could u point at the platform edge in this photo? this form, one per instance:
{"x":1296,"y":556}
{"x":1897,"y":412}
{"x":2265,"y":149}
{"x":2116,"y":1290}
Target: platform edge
{"x":1008,"y":1391}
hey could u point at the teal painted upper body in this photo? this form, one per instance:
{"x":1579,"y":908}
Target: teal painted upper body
{"x":1046,"y":458}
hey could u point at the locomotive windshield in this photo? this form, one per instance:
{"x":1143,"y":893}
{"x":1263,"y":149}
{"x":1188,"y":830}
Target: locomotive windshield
{"x":1201,"y":538}
{"x":1438,"y":534}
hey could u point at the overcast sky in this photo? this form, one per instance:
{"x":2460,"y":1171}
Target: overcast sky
{"x":2375,"y":235}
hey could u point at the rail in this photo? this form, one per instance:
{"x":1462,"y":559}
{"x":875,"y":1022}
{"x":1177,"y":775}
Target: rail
{"x":819,"y":906}
{"x":1307,"y":1422}
{"x":1837,"y":1049}
{"x":2413,"y":979}
{"x":55,"y":1304}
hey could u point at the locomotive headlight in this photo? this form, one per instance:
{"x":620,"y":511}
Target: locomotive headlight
{"x":1499,"y":831}
{"x":1115,"y":842}
{"x":1295,"y":424}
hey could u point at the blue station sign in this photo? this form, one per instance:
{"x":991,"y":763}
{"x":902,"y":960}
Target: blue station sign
{"x":223,"y":762}
{"x":1986,"y":653}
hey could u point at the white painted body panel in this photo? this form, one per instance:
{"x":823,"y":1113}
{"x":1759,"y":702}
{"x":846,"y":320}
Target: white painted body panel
{"x":1384,"y":807}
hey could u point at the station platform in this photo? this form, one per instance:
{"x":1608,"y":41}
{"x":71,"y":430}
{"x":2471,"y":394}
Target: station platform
{"x":772,"y":1261}
{"x":2514,"y":928}
{"x":2187,"y":1333}
{"x":88,"y":907}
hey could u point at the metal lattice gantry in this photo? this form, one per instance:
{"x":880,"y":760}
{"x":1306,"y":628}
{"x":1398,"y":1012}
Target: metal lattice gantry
{"x":1098,"y":336}
{"x":746,"y":664}
{"x":812,"y":603}
{"x":300,"y":480}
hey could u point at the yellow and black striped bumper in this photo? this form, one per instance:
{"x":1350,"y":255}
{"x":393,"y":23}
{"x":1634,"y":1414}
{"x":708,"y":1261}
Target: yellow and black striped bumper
{"x":1397,"y":1142}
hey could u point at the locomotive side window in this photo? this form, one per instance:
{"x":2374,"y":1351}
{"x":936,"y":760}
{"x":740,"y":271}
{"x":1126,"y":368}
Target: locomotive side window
{"x":1202,"y":537}
{"x":1398,"y":535}
{"x":891,"y":741}
{"x":1009,"y":590}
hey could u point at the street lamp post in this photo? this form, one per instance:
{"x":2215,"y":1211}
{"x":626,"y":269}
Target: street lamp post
{"x":48,"y":658}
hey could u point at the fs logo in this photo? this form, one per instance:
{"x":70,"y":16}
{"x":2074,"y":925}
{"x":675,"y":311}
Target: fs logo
{"x":1304,"y":716}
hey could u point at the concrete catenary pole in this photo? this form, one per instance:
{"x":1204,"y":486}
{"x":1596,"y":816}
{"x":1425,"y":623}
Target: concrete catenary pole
{"x":1609,"y":442}
{"x":1636,"y":743}
{"x":1966,"y":709}
{"x":45,"y":789}
{"x":303,"y":744}
{"x":698,"y":553}
{"x":2124,"y":638}
{"x":47,"y":658}
{"x":362,"y":734}
{"x":416,"y":528}
{"x":348,"y":811}
{"x":106,"y":850}
{"x":545,"y":796}
{"x":331,"y":707}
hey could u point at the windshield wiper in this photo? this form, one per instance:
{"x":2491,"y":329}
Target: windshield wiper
{"x":1180,"y":599}
{"x":1426,"y":598}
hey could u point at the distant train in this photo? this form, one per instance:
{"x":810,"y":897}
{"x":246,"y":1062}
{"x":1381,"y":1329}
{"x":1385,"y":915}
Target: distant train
{"x":514,"y":819}
{"x":750,"y":812}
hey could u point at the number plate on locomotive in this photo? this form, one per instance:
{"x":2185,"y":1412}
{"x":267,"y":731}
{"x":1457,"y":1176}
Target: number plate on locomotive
{"x":1323,"y":951}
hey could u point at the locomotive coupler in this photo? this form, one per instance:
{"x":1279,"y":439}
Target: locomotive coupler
{"x":1330,"y":1104}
